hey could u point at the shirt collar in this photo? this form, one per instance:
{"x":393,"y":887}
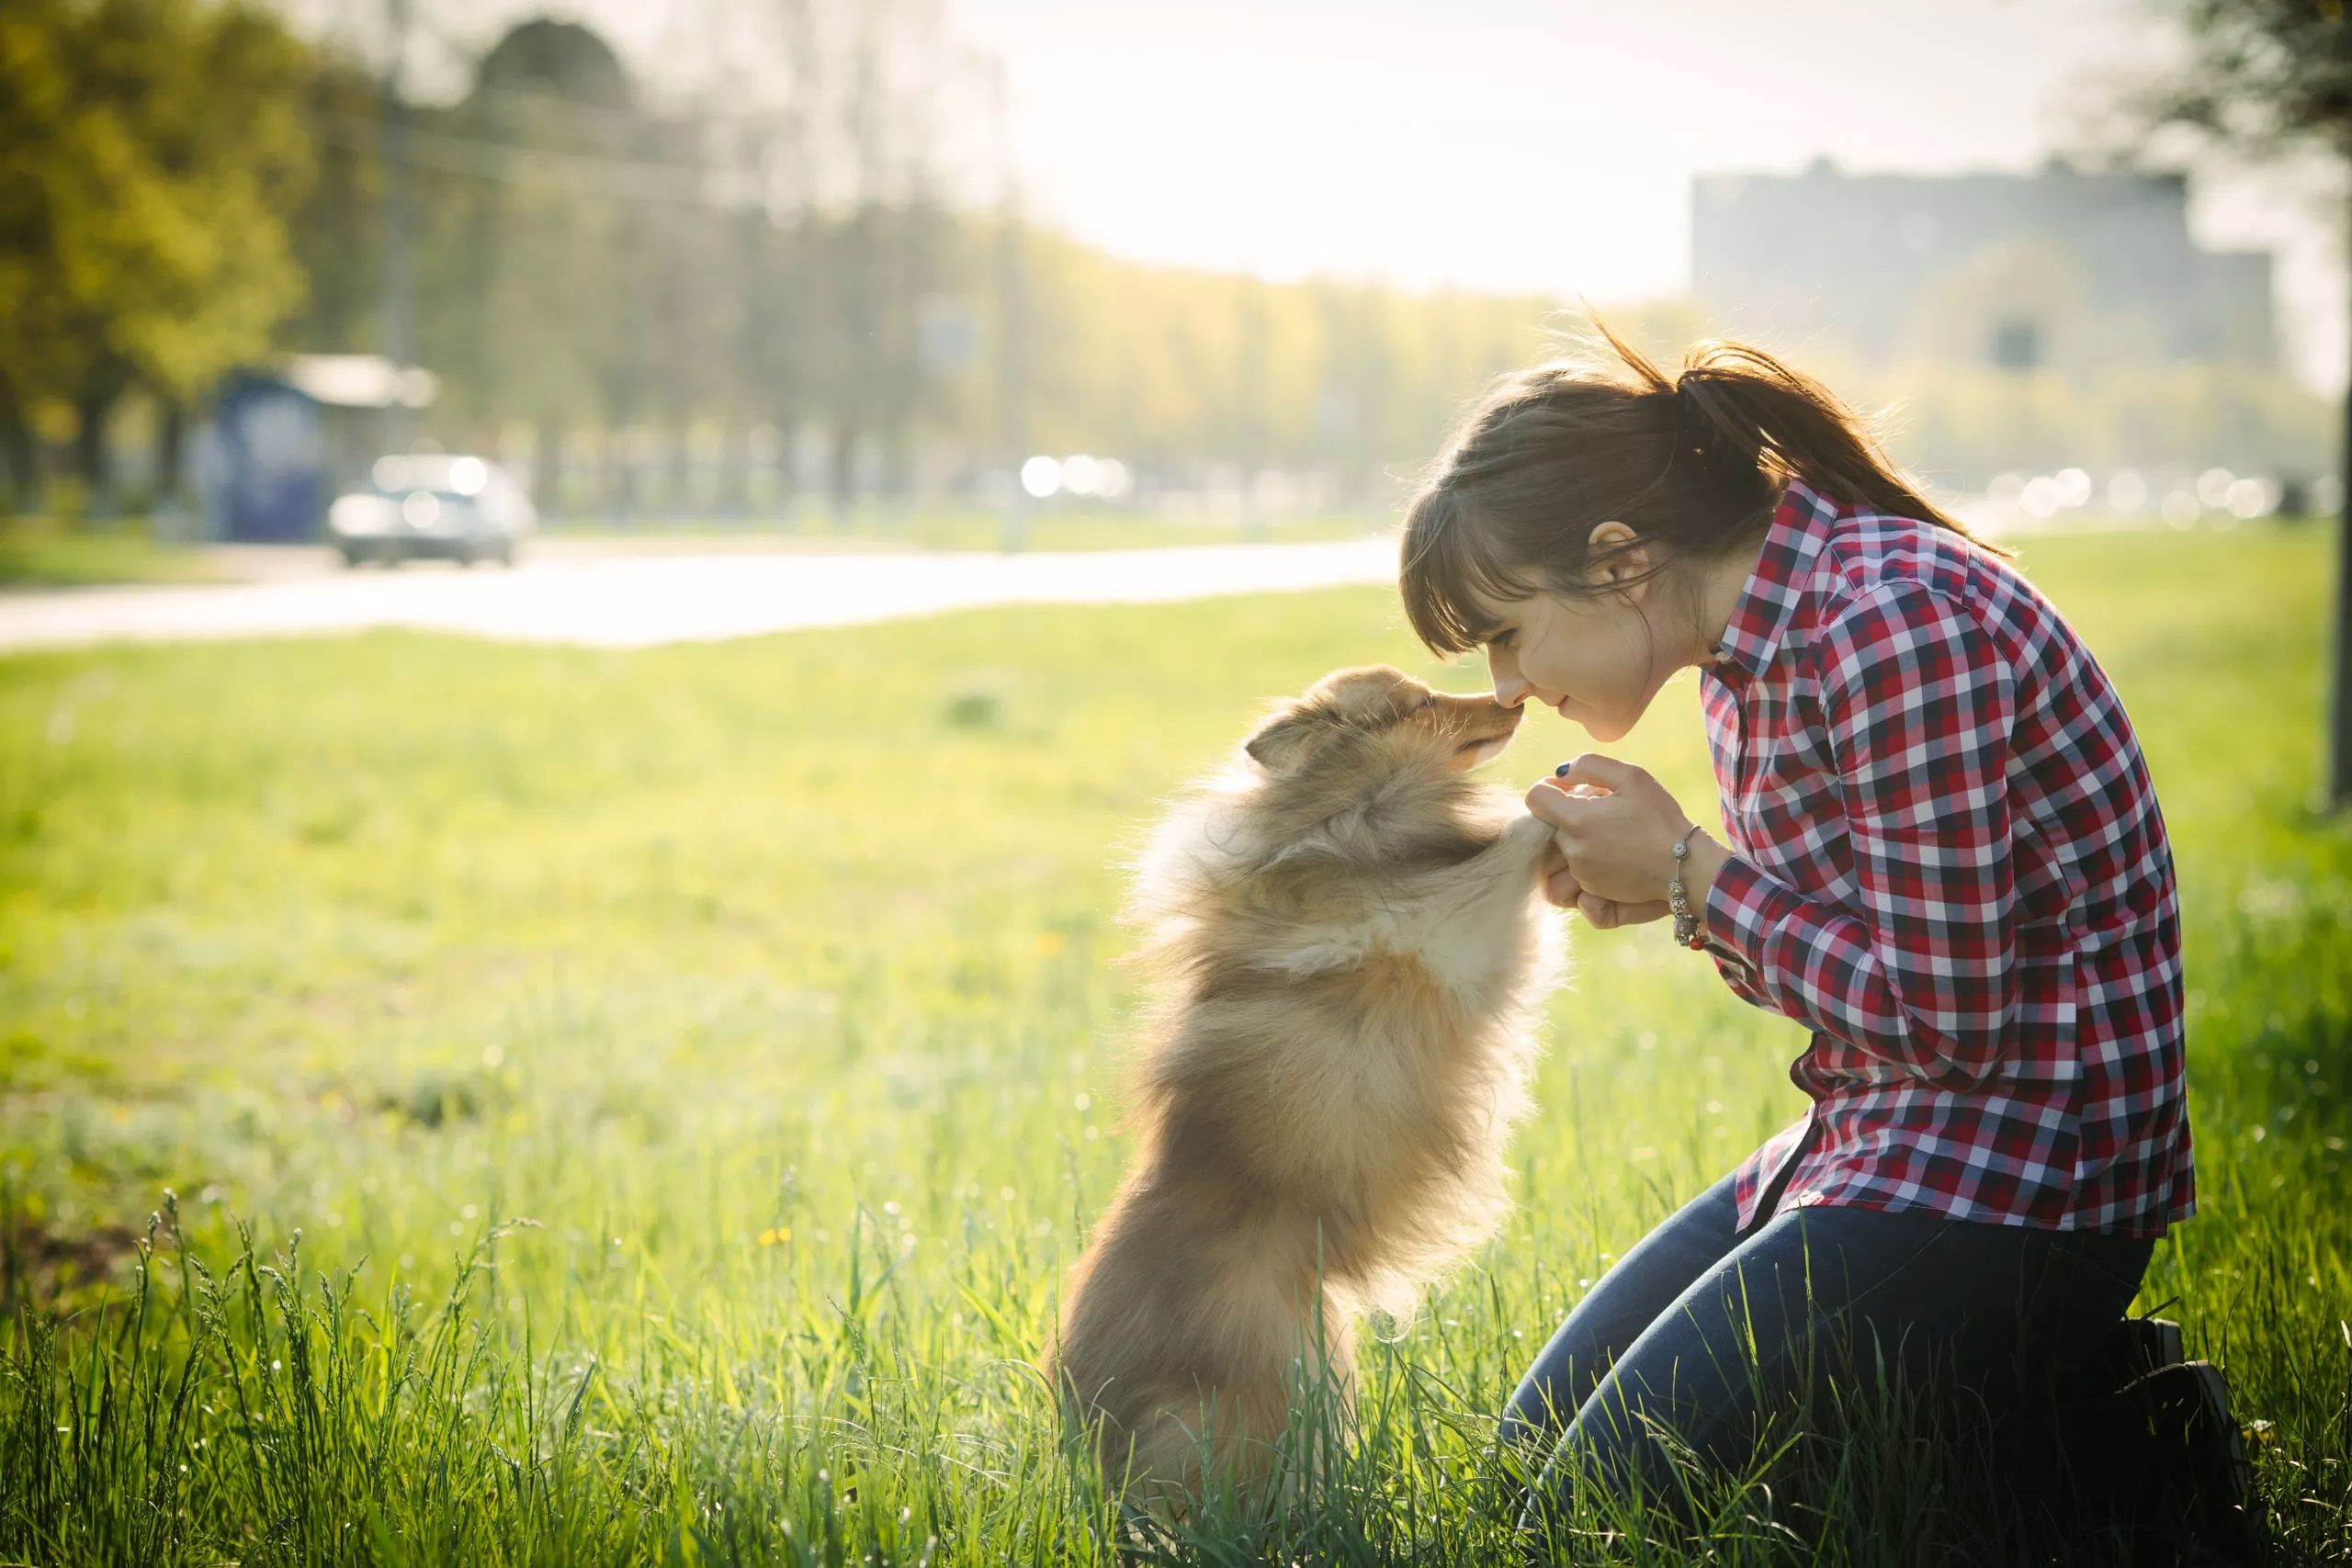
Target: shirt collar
{"x":1768,"y":603}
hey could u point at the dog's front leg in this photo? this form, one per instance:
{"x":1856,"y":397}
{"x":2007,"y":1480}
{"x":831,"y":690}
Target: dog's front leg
{"x":1489,"y":919}
{"x":1508,"y":864}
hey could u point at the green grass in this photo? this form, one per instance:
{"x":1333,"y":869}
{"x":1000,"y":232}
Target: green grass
{"x":686,"y":1072}
{"x":37,"y":553}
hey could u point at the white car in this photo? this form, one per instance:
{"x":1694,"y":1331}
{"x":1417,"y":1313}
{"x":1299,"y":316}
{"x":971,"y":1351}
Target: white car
{"x":432,"y":504}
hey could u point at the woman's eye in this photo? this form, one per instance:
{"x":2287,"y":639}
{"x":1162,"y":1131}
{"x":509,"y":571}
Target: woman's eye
{"x":1502,"y":639}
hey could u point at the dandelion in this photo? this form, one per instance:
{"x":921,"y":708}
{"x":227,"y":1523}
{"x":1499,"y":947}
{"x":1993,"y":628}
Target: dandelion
{"x":1051,"y":943}
{"x":775,"y":1234}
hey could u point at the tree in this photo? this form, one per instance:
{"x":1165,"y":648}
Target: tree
{"x":151,"y":152}
{"x":2267,"y":78}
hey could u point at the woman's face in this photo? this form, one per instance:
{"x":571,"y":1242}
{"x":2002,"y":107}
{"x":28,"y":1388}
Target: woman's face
{"x":1597,"y":661}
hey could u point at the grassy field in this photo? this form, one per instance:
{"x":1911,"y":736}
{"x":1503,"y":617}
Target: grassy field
{"x":37,"y":553}
{"x":489,"y":1104}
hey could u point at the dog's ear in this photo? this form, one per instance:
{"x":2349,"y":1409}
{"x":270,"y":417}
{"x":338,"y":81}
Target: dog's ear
{"x":1277,"y":743}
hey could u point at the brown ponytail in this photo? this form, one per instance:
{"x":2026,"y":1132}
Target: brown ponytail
{"x":1694,"y":467}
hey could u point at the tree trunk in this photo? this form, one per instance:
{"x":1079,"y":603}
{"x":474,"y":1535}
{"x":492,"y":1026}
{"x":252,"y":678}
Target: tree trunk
{"x":786,"y":509}
{"x":621,"y":474}
{"x":681,"y":469}
{"x":547,"y":468}
{"x":733,"y":495}
{"x":898,"y":471}
{"x":91,"y":412}
{"x":2339,"y":768}
{"x":16,"y":450}
{"x":171,"y":432}
{"x":844,"y":477}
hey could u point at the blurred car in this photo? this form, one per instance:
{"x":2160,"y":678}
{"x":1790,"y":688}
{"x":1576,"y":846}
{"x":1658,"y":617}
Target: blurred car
{"x":432,"y":504}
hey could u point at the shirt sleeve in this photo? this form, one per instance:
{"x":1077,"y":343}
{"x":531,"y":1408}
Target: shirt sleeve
{"x":1919,"y":705}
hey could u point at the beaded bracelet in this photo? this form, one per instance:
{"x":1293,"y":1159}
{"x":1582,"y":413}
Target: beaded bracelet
{"x":1677,"y":899}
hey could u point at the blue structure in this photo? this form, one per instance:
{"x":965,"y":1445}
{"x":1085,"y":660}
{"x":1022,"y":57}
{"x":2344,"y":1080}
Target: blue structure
{"x":279,"y":447}
{"x":261,"y":471}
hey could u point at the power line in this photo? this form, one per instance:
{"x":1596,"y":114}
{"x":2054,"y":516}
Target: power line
{"x":656,"y":183}
{"x":589,"y":173}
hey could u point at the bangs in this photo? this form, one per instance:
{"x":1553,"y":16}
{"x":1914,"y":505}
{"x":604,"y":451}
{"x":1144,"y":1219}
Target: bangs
{"x":1445,"y":560}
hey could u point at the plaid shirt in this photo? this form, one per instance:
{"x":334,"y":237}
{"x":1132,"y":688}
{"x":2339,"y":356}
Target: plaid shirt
{"x":1947,"y":861}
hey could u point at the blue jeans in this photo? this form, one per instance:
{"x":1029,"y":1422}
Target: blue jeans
{"x":1698,"y":1328}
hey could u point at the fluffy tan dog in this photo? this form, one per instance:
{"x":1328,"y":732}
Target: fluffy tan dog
{"x":1349,"y":941}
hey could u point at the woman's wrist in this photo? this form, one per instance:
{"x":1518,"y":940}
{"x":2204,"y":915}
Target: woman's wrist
{"x":1697,"y":858}
{"x":1699,"y":867}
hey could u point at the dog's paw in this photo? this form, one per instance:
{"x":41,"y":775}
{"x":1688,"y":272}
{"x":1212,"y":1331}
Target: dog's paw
{"x":1527,"y":835}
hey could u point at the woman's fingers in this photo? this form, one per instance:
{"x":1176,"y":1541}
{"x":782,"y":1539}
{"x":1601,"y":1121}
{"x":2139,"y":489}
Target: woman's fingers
{"x":1556,"y":800}
{"x":1560,"y":885}
{"x":1606,"y":913}
{"x":1606,"y":774}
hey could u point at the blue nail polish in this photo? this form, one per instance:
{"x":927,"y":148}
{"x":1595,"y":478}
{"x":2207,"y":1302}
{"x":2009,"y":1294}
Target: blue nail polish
{"x":1562,"y":769}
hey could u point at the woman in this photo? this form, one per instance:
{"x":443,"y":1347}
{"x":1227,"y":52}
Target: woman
{"x":1942,"y":855}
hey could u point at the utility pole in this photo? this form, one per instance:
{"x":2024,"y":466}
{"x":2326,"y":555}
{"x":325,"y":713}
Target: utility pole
{"x":2339,"y":752}
{"x":400,"y":267}
{"x":1249,"y":397}
{"x":1012,"y":326}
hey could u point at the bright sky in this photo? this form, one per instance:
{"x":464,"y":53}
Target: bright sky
{"x":1524,"y":144}
{"x":1531,"y":144}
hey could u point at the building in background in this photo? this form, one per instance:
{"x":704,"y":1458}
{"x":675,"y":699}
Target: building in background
{"x":2061,"y":269}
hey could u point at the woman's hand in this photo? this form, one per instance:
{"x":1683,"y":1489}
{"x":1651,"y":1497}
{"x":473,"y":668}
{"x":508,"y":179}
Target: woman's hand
{"x":1614,"y":828}
{"x":1561,"y":888}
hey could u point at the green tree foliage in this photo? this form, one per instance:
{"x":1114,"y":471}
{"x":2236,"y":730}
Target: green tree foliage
{"x":2264,"y":74}
{"x":150,"y":151}
{"x":2265,"y":77}
{"x":779,"y":258}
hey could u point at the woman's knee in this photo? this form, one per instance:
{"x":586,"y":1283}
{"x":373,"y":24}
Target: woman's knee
{"x":1620,"y":1308}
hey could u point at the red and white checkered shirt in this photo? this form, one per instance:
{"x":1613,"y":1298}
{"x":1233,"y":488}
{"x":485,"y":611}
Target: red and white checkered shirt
{"x":1948,"y":862}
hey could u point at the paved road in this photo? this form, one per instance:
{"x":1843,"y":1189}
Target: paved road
{"x":638,"y":600}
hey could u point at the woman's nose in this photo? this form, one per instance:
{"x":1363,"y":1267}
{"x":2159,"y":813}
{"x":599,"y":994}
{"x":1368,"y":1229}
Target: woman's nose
{"x":1510,"y":690}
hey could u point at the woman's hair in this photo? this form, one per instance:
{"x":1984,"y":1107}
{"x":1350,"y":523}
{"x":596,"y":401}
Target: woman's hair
{"x":1694,"y":467}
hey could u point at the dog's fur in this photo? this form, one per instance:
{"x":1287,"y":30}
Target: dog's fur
{"x":1350,"y":942}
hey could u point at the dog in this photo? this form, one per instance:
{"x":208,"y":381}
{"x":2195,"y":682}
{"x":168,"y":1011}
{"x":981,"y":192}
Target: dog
{"x":1348,"y":945}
